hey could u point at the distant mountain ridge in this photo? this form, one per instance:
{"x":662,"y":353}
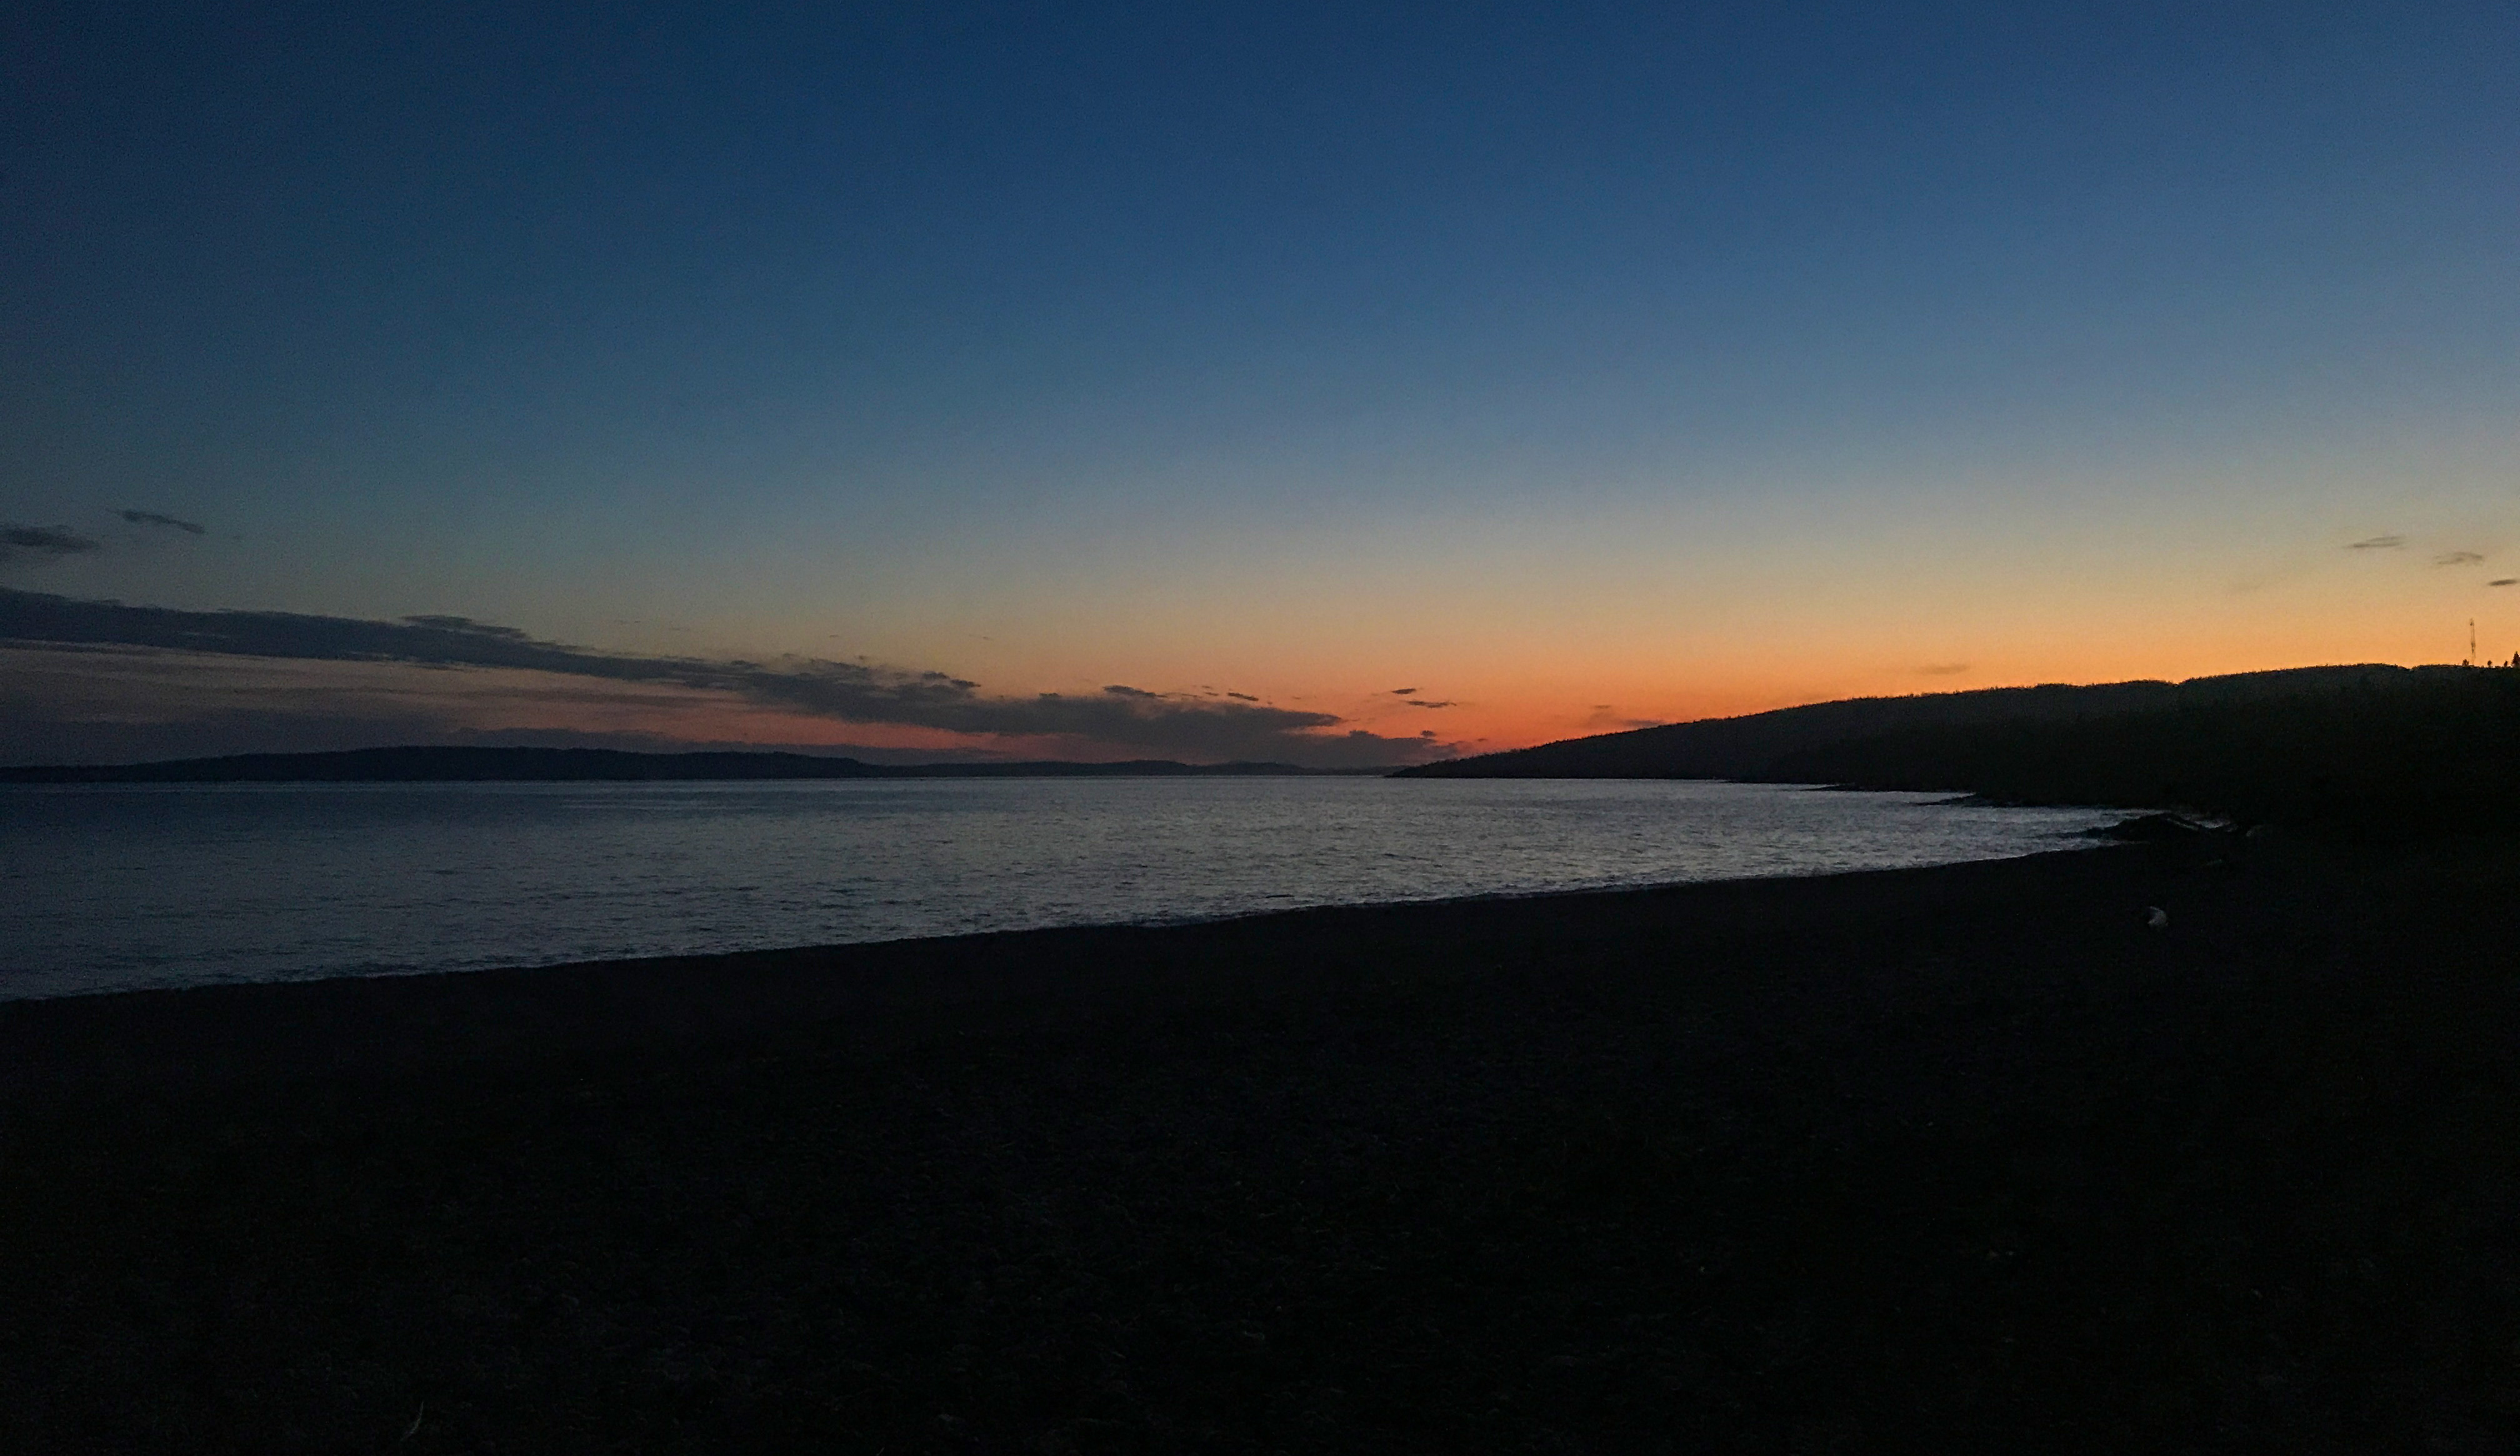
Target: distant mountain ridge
{"x":419,"y":763}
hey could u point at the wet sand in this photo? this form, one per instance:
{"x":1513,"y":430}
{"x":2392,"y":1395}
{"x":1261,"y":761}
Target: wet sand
{"x":1959,"y":1159}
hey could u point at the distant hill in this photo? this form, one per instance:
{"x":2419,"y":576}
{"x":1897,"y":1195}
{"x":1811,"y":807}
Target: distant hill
{"x":430,"y":764}
{"x":2383,"y":751}
{"x":1749,"y":747}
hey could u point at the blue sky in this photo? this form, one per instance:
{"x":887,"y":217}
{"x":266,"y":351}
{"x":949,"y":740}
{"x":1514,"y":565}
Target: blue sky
{"x":1607,"y":363}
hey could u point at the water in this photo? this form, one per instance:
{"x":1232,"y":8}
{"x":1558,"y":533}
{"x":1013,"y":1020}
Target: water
{"x":113,"y":887}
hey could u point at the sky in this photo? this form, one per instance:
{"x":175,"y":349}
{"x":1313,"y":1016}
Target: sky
{"x":1335,"y":384}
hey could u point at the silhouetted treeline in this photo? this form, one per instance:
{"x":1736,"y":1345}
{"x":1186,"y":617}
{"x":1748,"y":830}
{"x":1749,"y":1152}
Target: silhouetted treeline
{"x":428,"y":765}
{"x":2373,"y":752}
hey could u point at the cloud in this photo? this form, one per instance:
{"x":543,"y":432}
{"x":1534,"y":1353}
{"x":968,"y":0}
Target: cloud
{"x":1419,"y":702}
{"x":467,"y":624}
{"x":40,"y":544}
{"x":2504,"y":581}
{"x":107,"y":705}
{"x":1607,"y":718}
{"x":2457,"y":559}
{"x":153,"y":518}
{"x":1130,"y":719}
{"x":1242,"y":697}
{"x":1943,"y":668}
{"x":1402,"y":691}
{"x":2377,"y":543}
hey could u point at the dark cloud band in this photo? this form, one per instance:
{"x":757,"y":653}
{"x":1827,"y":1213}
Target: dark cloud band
{"x":1120,"y":716}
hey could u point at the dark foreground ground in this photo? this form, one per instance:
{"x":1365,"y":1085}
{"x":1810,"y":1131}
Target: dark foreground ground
{"x":1964,"y":1159}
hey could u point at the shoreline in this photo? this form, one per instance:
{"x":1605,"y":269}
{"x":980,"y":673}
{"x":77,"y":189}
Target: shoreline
{"x":2064,"y":842}
{"x":1964,"y":1155}
{"x":786,"y":963}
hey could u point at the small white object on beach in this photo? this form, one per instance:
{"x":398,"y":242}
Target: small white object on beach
{"x":2156,"y":918}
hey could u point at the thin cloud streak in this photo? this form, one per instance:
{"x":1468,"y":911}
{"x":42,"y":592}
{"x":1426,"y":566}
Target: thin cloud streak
{"x":153,"y":518}
{"x":467,"y":624}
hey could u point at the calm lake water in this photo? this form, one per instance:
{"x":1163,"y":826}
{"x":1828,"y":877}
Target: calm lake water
{"x":111,"y":886}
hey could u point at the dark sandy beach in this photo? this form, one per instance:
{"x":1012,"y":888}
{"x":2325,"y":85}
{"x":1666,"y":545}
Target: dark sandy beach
{"x":1960,"y":1158}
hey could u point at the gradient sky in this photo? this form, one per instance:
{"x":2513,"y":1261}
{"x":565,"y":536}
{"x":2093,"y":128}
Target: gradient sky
{"x":1566,"y":367}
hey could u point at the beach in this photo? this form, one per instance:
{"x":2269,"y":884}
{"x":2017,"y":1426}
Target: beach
{"x":1970,"y":1157}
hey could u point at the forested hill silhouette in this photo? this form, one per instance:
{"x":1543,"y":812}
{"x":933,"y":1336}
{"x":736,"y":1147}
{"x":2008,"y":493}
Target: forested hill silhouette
{"x":458,"y":764}
{"x":2369,"y":750}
